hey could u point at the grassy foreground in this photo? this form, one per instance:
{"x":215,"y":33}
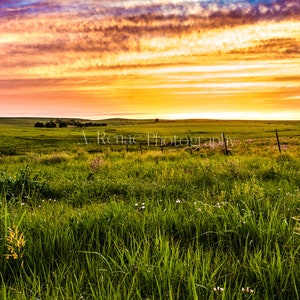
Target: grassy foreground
{"x":107,"y":222}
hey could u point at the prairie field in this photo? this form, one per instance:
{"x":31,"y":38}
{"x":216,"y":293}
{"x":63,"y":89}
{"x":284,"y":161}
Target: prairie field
{"x":150,"y":209}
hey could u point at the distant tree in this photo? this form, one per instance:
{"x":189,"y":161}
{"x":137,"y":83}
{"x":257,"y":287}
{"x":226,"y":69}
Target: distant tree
{"x":50,"y":124}
{"x":156,"y":120}
{"x":62,"y":123}
{"x":89,"y":124}
{"x":39,"y":124}
{"x":74,"y":122}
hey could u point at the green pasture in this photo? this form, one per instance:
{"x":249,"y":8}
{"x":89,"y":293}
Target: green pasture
{"x":120,"y":220}
{"x":19,"y":136}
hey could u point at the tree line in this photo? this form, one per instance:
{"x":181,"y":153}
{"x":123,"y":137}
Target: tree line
{"x":65,"y":123}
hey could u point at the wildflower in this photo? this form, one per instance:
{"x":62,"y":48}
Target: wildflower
{"x":178,"y":201}
{"x":247,"y":290}
{"x":96,"y":163}
{"x":143,"y":206}
{"x":218,"y":289}
{"x":15,"y":243}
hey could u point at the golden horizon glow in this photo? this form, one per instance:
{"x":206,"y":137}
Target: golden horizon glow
{"x":113,"y":59}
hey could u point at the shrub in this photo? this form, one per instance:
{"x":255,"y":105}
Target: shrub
{"x":39,"y":124}
{"x":24,"y":186}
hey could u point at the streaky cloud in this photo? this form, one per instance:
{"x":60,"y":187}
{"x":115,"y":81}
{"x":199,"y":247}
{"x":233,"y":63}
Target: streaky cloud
{"x":120,"y":53}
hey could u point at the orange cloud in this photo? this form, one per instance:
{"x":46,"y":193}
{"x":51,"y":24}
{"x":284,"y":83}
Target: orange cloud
{"x":149,"y":57}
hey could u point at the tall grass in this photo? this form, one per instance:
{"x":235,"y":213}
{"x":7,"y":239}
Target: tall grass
{"x":164,"y":229}
{"x":156,"y":225}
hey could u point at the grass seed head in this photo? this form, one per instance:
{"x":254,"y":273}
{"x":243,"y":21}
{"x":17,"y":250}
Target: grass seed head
{"x":15,"y":243}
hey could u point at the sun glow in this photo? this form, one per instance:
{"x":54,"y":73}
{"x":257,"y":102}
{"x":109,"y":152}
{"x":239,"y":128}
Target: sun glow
{"x":238,"y":115}
{"x":144,"y":58}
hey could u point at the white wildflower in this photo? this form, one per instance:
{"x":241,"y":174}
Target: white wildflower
{"x":218,"y":289}
{"x":247,"y":290}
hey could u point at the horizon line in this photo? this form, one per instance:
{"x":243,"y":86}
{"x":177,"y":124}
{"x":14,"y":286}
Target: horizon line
{"x":148,"y":119}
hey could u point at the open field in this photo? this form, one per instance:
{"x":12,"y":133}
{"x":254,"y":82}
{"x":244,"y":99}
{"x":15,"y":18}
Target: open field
{"x":141,"y":209}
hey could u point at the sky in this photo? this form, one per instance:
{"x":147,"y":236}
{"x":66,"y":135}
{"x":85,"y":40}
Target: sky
{"x":222,"y":59}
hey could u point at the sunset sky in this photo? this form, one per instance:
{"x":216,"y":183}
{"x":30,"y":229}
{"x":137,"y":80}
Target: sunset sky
{"x":232,"y":59}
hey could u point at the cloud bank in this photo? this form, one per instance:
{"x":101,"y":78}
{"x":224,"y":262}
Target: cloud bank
{"x":95,"y":49}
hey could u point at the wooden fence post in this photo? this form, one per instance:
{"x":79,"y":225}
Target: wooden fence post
{"x":190,"y":143}
{"x":189,"y":140}
{"x":85,"y":139}
{"x":225,"y":144}
{"x":278,"y":142}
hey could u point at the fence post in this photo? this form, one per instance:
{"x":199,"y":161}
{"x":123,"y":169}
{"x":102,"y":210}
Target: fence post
{"x":85,"y":139}
{"x":141,"y":148}
{"x":190,"y":143}
{"x":189,"y":140}
{"x":278,"y":142}
{"x":225,"y":144}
